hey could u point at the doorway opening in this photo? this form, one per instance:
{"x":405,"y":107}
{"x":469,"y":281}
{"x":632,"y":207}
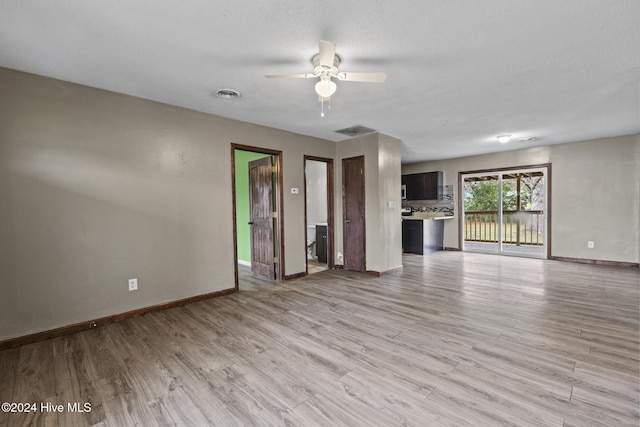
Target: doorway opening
{"x":318,"y":213}
{"x":257,"y":214}
{"x":506,"y":211}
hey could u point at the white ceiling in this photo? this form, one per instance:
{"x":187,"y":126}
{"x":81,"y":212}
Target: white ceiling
{"x":459,"y":72}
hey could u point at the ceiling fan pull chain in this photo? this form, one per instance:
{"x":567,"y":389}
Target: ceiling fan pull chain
{"x":321,"y":107}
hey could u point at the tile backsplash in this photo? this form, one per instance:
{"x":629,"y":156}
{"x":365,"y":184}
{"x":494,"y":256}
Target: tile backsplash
{"x":446,"y":204}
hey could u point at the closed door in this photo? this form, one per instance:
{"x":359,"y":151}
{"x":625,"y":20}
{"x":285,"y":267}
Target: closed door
{"x":353,"y":213}
{"x":261,"y":206}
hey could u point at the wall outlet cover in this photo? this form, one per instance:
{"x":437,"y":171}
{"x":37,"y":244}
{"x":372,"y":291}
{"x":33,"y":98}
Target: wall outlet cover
{"x":133,"y":284}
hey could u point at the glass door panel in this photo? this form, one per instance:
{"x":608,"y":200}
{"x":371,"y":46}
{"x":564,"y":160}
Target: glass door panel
{"x":523,"y":212}
{"x":504,"y":212}
{"x":481,"y":201}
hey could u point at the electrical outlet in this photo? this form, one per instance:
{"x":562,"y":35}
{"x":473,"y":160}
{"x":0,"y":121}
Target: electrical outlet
{"x":591,"y":244}
{"x":133,"y":284}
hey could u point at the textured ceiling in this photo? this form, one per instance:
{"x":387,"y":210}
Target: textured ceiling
{"x":459,"y":72}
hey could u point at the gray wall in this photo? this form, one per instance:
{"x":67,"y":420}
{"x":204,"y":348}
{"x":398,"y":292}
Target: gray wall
{"x":595,"y":194}
{"x":382,"y":155}
{"x":316,"y":173}
{"x":98,"y":187}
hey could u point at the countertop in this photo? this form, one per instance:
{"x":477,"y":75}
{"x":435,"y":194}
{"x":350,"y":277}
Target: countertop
{"x":427,"y":215}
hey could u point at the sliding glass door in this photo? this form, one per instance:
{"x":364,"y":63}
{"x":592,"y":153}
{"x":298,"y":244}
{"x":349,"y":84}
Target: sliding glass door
{"x":505,"y":212}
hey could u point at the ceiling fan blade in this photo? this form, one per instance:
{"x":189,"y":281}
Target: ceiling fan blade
{"x":290,"y":76}
{"x":327,"y":53}
{"x":363,"y":77}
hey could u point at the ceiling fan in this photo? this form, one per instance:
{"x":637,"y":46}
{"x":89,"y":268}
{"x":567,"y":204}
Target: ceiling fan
{"x":325,"y":67}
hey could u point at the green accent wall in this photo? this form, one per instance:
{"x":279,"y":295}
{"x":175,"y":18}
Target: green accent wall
{"x":242,"y":159}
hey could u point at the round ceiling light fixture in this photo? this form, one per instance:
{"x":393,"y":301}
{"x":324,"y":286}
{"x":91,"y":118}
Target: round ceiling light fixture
{"x":504,"y":138}
{"x":227,"y":93}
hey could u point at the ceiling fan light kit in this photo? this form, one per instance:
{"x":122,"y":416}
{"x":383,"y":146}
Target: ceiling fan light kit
{"x":325,"y":67}
{"x":325,"y":87}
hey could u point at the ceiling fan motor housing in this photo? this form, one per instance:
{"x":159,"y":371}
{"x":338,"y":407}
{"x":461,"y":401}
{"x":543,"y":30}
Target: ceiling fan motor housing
{"x":319,"y":70}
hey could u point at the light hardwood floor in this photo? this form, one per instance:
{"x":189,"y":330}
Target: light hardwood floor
{"x":455,"y":339}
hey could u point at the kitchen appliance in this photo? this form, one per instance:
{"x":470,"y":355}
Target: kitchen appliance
{"x":406,"y":211}
{"x":403,"y":193}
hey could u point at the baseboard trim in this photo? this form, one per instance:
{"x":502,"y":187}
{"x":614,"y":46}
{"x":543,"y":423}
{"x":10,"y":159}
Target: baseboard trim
{"x":452,"y":249}
{"x":596,"y":262}
{"x":295,"y":276}
{"x":90,"y":324}
{"x":384,"y":273}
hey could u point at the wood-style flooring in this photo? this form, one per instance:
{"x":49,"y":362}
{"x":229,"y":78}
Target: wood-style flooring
{"x":314,"y":266}
{"x":454,"y":339}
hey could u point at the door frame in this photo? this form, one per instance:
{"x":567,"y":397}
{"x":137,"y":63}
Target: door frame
{"x":330,"y":209}
{"x":498,"y":171}
{"x":279,"y":228}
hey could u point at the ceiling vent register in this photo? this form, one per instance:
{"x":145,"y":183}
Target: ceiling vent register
{"x":356,"y":131}
{"x":228,"y":93}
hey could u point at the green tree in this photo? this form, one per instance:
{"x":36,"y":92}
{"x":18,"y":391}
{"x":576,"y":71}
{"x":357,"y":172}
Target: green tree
{"x":483,"y":195}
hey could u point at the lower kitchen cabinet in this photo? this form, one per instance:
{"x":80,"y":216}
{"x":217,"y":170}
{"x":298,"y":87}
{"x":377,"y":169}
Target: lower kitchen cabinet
{"x":321,"y":242}
{"x":422,"y":236}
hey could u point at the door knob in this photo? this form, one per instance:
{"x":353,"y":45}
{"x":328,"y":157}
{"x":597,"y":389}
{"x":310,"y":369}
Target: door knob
{"x":347,"y":221}
{"x":250,"y":222}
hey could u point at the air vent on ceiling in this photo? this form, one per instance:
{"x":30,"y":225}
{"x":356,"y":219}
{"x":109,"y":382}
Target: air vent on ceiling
{"x":228,"y":93}
{"x":355,"y":131}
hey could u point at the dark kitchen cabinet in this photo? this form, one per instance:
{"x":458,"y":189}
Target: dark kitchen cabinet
{"x":422,"y":236}
{"x":415,"y":186}
{"x":433,"y":185}
{"x":321,"y":243}
{"x":412,"y":236}
{"x":423,"y":186}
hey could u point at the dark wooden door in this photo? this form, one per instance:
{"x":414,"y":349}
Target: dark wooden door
{"x":353,"y":213}
{"x":261,"y":217}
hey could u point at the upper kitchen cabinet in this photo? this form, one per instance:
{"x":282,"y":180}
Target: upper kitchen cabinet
{"x":415,"y":184}
{"x":423,"y":186}
{"x":433,"y":186}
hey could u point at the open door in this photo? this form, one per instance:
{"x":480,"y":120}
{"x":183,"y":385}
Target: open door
{"x":354,"y":213}
{"x":261,"y":214}
{"x":318,"y":209}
